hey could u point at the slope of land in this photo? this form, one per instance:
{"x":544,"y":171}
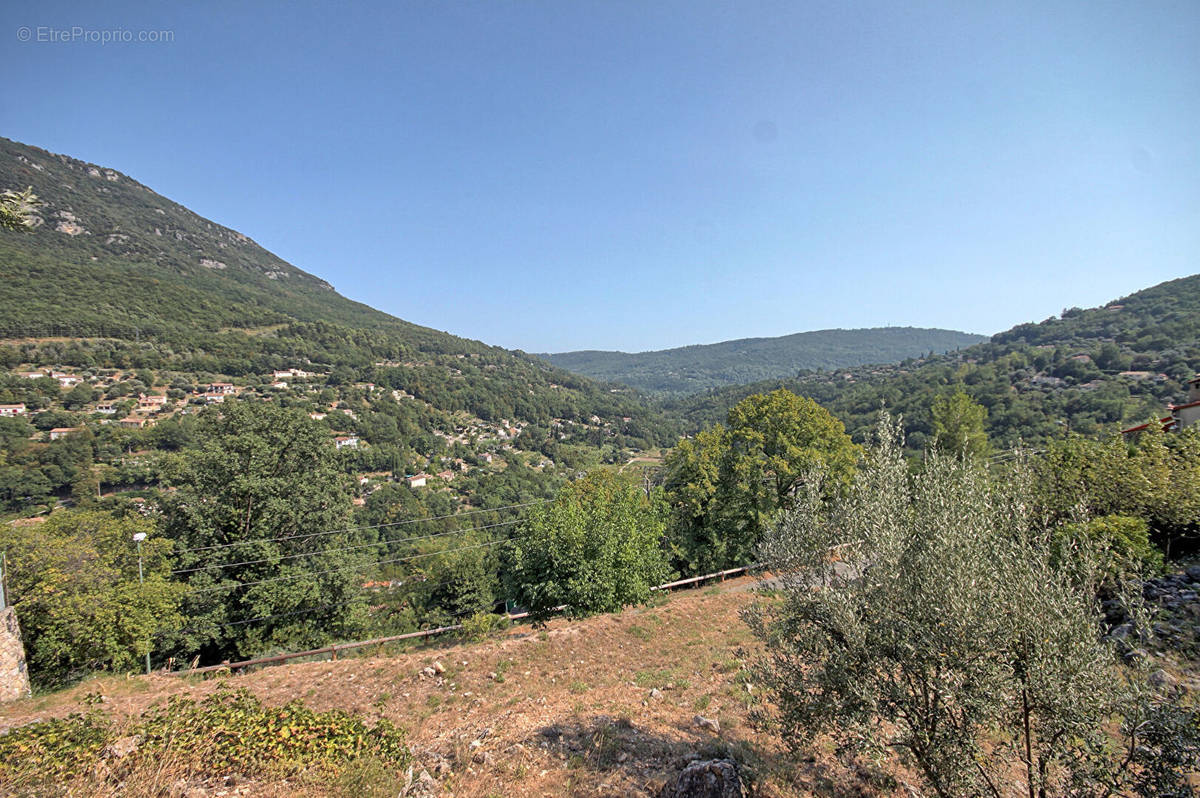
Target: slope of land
{"x":141,"y":304}
{"x":604,"y":706}
{"x":691,"y":369}
{"x":1088,"y":371}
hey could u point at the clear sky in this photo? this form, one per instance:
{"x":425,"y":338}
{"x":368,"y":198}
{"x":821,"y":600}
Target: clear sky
{"x":561,"y":174}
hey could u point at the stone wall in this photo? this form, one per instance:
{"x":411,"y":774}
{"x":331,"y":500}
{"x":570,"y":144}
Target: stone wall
{"x":14,"y":678}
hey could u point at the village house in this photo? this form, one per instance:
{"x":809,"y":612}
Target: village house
{"x":62,"y":432}
{"x":32,"y":375}
{"x":1188,"y":413}
{"x":1180,"y":416}
{"x":133,"y":422}
{"x":107,"y":408}
{"x":417,"y":480}
{"x":68,"y":380}
{"x":151,"y":404}
{"x":9,"y":411}
{"x":446,"y":475}
{"x":221,"y":388}
{"x":290,"y":373}
{"x":346,"y":442}
{"x":316,"y":416}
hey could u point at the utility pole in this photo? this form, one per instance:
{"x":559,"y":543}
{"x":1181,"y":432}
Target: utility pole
{"x":138,"y":538}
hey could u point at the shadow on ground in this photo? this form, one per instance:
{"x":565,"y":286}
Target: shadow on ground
{"x":616,"y":757}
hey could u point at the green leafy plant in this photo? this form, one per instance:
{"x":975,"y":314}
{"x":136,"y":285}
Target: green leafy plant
{"x":230,"y":731}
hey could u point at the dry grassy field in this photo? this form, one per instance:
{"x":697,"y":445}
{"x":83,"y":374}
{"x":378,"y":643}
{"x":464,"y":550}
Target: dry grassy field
{"x":603,"y":706}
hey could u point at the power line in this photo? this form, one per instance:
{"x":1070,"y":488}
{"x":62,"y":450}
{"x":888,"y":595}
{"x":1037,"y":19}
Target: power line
{"x":346,"y":548}
{"x":330,"y":605}
{"x":361,"y":528}
{"x":305,"y":574}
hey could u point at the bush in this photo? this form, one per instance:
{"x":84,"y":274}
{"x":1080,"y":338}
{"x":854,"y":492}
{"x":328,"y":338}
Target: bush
{"x":483,"y":625}
{"x":595,"y":548}
{"x":73,"y":580}
{"x":227,"y":732}
{"x":1120,"y":542}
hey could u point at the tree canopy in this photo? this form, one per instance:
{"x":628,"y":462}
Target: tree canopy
{"x":595,"y":548}
{"x":951,"y":631}
{"x":727,"y":487}
{"x":73,"y":579}
{"x":261,"y":515}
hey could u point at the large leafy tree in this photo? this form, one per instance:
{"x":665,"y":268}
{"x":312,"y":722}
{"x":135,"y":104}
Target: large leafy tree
{"x":730,"y":485}
{"x":74,"y":582}
{"x":260,"y":511}
{"x":595,"y":548}
{"x":700,"y":537}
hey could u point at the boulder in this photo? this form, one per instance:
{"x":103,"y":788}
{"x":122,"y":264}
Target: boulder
{"x":422,"y":786}
{"x":1162,"y":680}
{"x":119,"y":749}
{"x":710,"y":778}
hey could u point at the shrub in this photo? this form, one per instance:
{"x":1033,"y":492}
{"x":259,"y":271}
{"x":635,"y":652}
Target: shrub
{"x":595,"y":548}
{"x":227,"y":732}
{"x":1121,"y":544}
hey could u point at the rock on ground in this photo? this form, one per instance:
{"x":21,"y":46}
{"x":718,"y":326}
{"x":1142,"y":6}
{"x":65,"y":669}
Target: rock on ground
{"x":711,"y":778}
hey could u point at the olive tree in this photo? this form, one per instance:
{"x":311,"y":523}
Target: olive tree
{"x":930,"y":617}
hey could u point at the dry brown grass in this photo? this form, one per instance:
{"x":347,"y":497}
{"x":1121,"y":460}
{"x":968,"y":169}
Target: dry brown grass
{"x":566,"y":710}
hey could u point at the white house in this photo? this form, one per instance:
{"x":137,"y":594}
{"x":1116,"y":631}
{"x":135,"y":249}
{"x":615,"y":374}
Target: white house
{"x":346,"y":442}
{"x":8,"y":411}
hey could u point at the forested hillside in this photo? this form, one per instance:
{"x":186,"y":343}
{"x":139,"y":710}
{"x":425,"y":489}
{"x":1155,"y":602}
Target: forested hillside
{"x":692,"y":369}
{"x":1089,"y":371}
{"x":119,"y":307}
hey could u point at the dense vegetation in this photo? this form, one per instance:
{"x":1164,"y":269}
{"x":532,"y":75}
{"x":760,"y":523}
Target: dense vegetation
{"x":728,"y":486}
{"x":1089,"y":371}
{"x":959,"y":632}
{"x":693,"y":369}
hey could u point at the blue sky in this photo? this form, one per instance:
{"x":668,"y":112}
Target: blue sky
{"x":637,"y":175}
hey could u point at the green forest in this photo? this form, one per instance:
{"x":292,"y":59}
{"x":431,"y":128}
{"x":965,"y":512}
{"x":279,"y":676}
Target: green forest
{"x":692,"y":369}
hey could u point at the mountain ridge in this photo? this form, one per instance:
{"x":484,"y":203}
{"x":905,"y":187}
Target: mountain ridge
{"x":699,"y":367}
{"x":1087,"y":370}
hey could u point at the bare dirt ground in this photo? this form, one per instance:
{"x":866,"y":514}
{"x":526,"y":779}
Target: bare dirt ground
{"x":605,"y":706}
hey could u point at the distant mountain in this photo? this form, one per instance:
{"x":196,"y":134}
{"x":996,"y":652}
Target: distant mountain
{"x":692,"y":369}
{"x":1090,"y":371}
